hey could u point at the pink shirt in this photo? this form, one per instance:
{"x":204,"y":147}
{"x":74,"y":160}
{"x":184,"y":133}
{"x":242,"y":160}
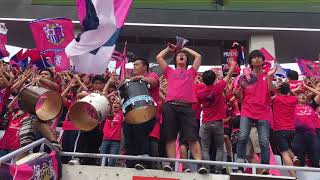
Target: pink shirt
{"x":180,"y":84}
{"x":197,"y":106}
{"x":154,"y":92}
{"x":284,"y":112}
{"x":10,"y":139}
{"x":213,"y":102}
{"x":112,"y":127}
{"x":256,"y":103}
{"x":305,"y":119}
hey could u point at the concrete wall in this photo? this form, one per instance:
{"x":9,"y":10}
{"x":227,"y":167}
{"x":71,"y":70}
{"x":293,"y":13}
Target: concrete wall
{"x":112,"y":173}
{"x":263,"y":41}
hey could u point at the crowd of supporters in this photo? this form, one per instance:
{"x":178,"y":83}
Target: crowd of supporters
{"x":211,"y":115}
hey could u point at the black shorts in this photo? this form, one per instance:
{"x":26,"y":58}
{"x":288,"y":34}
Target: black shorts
{"x":283,"y":139}
{"x":227,"y":131}
{"x":185,"y":142}
{"x":179,"y":119}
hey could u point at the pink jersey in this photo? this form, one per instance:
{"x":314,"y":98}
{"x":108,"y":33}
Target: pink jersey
{"x":180,"y":84}
{"x":112,"y":127}
{"x":256,"y":101}
{"x":10,"y":139}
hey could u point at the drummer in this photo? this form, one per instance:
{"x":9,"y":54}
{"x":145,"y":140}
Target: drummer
{"x":45,"y":79}
{"x":90,"y":141}
{"x":137,"y":135}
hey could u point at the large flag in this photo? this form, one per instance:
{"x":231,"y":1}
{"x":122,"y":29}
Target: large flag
{"x":3,"y":41}
{"x":20,"y":59}
{"x":54,"y":33}
{"x":102,"y":21}
{"x":51,"y":36}
{"x":309,"y":68}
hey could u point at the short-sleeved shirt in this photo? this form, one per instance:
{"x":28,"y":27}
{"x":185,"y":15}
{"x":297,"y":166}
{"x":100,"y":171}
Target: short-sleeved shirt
{"x":256,"y":103}
{"x":180,"y":84}
{"x":284,"y":112}
{"x":213,"y":102}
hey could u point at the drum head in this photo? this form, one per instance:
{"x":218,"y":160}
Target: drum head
{"x":141,"y":114}
{"x":84,"y":116}
{"x":48,"y":105}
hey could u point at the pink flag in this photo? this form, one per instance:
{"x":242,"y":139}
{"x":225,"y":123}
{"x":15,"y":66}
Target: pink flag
{"x":309,"y":68}
{"x":61,"y":61}
{"x":123,"y":64}
{"x":55,"y":33}
{"x":269,"y":59}
{"x":117,"y":57}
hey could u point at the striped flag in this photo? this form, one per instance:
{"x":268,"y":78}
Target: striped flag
{"x":102,"y":21}
{"x":20,"y":59}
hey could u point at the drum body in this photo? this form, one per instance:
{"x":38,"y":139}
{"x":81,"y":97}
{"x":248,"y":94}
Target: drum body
{"x":87,"y":113}
{"x":138,"y":106}
{"x":45,"y":104}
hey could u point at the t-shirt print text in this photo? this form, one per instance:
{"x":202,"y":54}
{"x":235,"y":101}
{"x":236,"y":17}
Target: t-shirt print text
{"x":180,"y":75}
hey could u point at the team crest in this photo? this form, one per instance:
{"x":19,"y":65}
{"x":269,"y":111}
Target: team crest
{"x":57,"y":60}
{"x":54,"y":33}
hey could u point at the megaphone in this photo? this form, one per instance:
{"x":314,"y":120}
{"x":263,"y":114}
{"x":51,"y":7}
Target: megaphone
{"x":180,"y":43}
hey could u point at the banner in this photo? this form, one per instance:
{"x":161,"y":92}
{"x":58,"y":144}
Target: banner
{"x":54,"y":33}
{"x":47,"y":167}
{"x":232,"y":51}
{"x":309,"y":68}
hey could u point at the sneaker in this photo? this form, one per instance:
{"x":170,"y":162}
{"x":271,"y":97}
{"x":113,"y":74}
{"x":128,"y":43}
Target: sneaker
{"x":75,"y":161}
{"x":217,"y":171}
{"x":239,"y":170}
{"x":203,"y":170}
{"x":167,"y":168}
{"x":187,"y":170}
{"x":139,"y":167}
{"x":296,"y":161}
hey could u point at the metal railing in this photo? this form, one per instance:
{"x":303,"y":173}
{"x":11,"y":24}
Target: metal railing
{"x":11,"y":156}
{"x":29,"y":147}
{"x":201,"y":162}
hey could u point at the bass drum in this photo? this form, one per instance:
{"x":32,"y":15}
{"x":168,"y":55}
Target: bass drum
{"x":87,"y":113}
{"x":45,"y":104}
{"x":138,"y":106}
